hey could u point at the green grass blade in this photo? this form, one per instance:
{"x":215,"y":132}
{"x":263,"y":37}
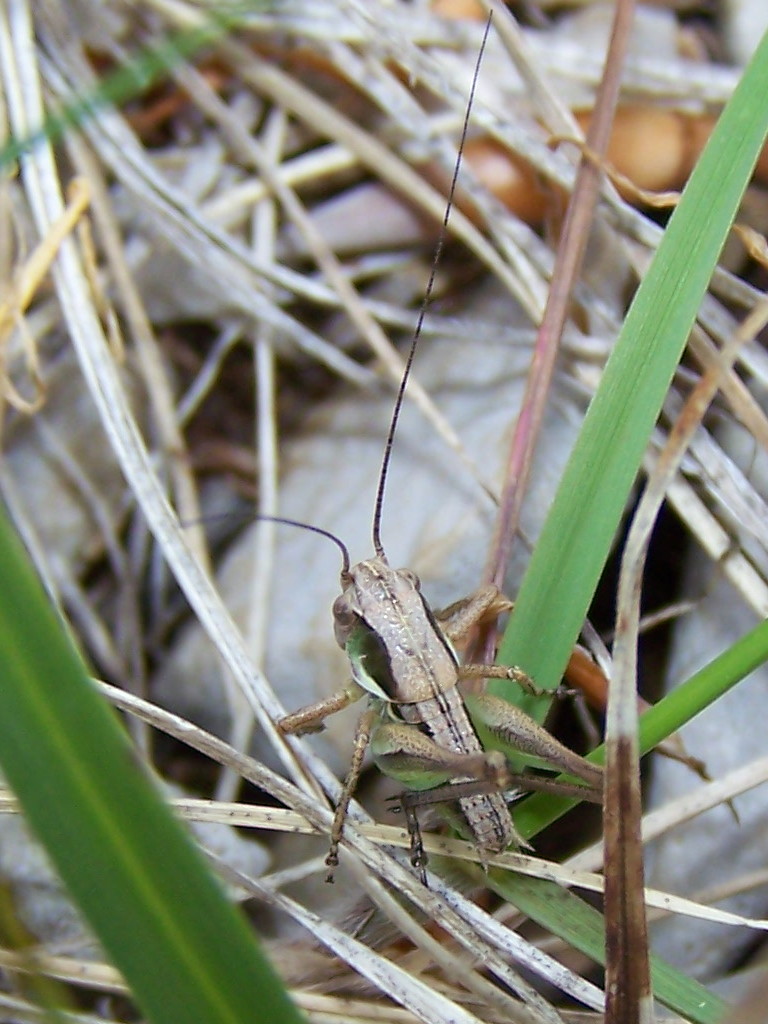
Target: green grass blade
{"x":670,"y":714}
{"x":574,"y":544}
{"x":571,"y":552}
{"x":146,"y":891}
{"x":565,"y":914}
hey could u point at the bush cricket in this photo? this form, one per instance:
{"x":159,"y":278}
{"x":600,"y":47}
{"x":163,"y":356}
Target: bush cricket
{"x":421,"y":729}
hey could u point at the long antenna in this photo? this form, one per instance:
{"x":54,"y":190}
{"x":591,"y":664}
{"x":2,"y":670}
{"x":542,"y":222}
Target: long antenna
{"x":345,"y":560}
{"x":282,"y":521}
{"x":387,"y":459}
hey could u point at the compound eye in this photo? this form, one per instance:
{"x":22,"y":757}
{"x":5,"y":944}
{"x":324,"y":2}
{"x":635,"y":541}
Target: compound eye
{"x":411,"y":577}
{"x":343,"y":615}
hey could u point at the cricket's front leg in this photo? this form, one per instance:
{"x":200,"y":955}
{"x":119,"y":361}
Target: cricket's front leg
{"x":509,"y":672}
{"x":312,"y":717}
{"x":460,"y":617}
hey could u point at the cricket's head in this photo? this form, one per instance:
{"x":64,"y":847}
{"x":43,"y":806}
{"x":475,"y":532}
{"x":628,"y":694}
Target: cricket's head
{"x":375,"y":595}
{"x":390,"y":635}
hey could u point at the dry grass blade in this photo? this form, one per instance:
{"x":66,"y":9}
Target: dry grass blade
{"x":19,"y":295}
{"x":628,"y":977}
{"x":327,"y":262}
{"x":473,"y":929}
{"x":628,"y":980}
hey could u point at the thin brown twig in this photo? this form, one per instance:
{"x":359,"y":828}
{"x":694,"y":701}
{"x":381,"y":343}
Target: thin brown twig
{"x":568,"y":261}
